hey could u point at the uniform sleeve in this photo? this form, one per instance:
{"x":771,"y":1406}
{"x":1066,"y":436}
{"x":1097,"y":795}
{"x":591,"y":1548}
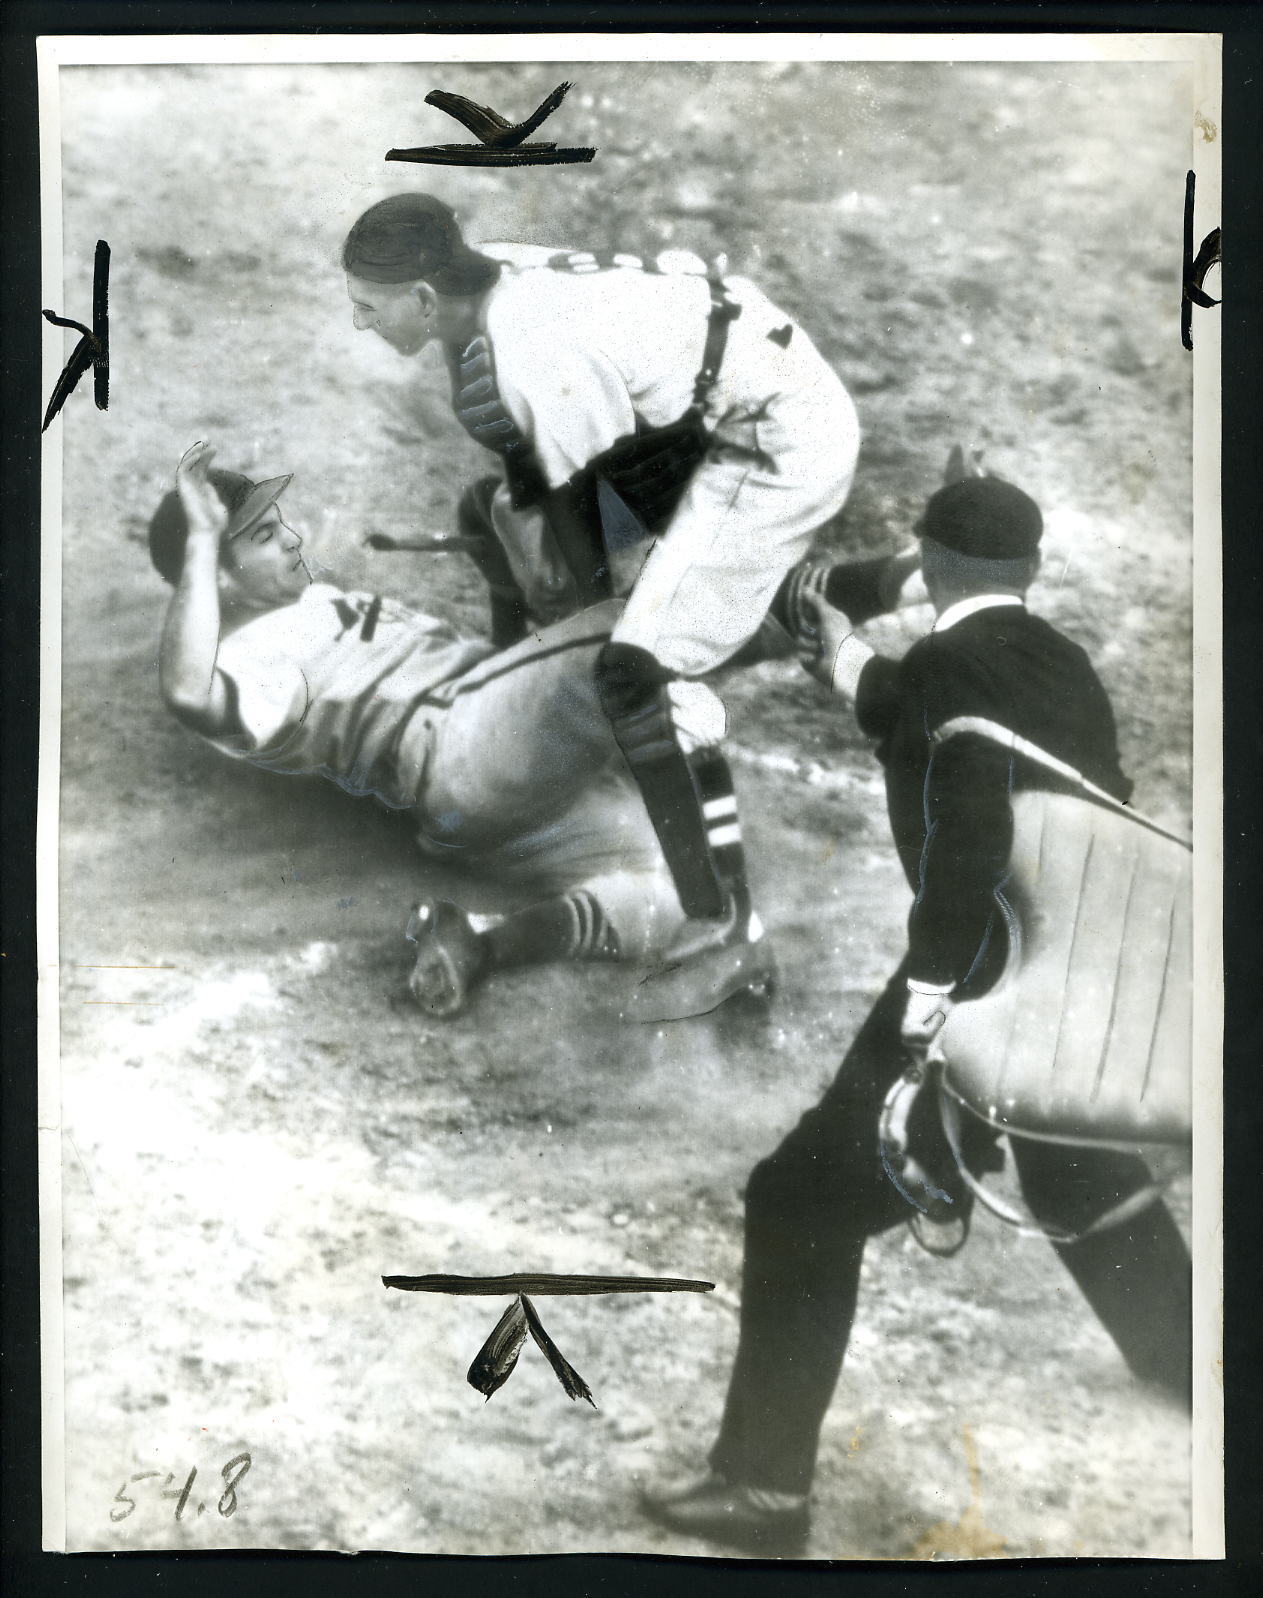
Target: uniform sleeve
{"x":877,"y":697}
{"x":563,"y":391}
{"x":270,"y":692}
{"x":968,"y":829}
{"x":969,"y":835}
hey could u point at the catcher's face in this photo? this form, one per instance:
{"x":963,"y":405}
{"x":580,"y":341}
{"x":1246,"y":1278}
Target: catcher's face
{"x":400,"y":313}
{"x":264,"y":566}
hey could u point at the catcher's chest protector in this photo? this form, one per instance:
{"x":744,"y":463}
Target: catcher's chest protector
{"x":1087,"y":1036}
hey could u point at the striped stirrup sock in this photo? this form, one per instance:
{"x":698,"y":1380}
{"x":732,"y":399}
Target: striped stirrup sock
{"x":594,"y":938}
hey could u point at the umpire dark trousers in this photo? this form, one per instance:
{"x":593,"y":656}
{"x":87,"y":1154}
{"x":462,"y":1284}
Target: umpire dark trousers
{"x":812,"y":1204}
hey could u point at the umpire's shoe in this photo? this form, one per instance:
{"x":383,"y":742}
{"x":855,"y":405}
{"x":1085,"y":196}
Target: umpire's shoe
{"x":451,"y":957}
{"x":774,"y":1525}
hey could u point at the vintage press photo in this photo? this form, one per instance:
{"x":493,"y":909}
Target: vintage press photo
{"x":449,"y":868}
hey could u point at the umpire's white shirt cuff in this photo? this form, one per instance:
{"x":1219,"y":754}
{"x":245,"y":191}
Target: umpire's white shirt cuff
{"x":852,"y":656}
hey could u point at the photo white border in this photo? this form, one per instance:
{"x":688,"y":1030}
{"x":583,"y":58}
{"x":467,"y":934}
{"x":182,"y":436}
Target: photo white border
{"x":1204,"y":52}
{"x":47,"y":835}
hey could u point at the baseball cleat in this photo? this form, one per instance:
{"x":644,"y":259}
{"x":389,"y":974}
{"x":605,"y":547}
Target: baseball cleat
{"x":451,"y":958}
{"x":711,"y":963}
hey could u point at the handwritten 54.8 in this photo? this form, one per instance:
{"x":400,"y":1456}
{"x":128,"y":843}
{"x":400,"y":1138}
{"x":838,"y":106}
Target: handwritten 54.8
{"x":226,"y":1504}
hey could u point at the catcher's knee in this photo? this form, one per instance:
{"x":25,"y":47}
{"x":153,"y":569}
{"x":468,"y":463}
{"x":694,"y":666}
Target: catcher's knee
{"x":632,"y":688}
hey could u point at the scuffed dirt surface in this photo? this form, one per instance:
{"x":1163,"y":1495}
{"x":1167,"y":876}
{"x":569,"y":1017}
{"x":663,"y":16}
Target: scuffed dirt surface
{"x":256,"y":1125}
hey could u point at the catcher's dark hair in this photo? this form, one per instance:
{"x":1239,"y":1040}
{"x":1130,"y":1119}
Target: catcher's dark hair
{"x":169,"y":526}
{"x":410,"y":237}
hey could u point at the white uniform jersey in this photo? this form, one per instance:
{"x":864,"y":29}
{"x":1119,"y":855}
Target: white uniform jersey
{"x":329,"y":685}
{"x":506,"y":757}
{"x":579,"y":354}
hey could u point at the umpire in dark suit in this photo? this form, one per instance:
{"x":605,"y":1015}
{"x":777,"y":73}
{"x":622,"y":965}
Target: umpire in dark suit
{"x":812,"y":1204}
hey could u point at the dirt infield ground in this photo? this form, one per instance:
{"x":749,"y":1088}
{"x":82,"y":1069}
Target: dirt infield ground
{"x":257,"y":1126}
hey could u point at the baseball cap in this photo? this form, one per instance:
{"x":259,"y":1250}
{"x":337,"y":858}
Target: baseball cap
{"x":984,"y":518}
{"x":247,"y":504}
{"x":257,"y":501}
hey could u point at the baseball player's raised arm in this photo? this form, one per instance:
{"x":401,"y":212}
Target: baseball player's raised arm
{"x":190,"y":684}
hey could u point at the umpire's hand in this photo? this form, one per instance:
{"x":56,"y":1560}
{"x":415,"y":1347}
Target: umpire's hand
{"x":824,"y":631}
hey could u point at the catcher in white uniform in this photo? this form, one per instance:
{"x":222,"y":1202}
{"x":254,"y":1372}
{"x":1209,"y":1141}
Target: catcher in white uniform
{"x":665,"y":432}
{"x":506,"y":757}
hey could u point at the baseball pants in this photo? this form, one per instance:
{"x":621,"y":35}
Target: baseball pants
{"x":772,"y":475}
{"x":521,"y":779}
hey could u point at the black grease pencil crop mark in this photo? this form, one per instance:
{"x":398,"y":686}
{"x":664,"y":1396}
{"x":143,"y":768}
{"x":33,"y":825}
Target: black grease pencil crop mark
{"x":533,"y":1282}
{"x":493,"y":1364}
{"x":93,"y":349}
{"x":495,"y":1361}
{"x":488,"y":126}
{"x":1195,"y":269}
{"x":500,"y":142}
{"x":572,"y":1383}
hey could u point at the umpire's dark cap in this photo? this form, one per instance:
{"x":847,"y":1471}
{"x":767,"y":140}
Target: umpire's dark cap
{"x":409,"y":237}
{"x":247,"y":504}
{"x":984,"y":518}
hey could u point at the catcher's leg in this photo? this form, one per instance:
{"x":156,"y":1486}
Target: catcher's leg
{"x":633,"y":691}
{"x":691,"y":802}
{"x":685,"y":781}
{"x":452,"y":959}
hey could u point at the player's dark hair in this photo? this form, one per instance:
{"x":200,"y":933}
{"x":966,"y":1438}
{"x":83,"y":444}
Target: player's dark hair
{"x":410,"y":237}
{"x":169,"y":526}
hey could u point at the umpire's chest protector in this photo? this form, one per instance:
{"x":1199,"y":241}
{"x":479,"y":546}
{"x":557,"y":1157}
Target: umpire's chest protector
{"x":1087,"y":1035}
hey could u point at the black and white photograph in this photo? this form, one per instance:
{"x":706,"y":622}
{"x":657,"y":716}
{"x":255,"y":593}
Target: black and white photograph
{"x":628,"y":795}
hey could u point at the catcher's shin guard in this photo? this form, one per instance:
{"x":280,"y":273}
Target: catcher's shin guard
{"x":715,"y":788}
{"x":633,"y":691}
